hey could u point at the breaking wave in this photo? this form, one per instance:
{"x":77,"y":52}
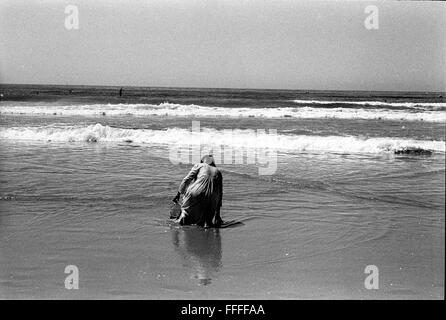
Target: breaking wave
{"x":192,"y":110}
{"x":417,"y":105}
{"x":234,"y":138}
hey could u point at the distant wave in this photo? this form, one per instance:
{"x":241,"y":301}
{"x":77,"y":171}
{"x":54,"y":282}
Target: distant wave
{"x":421,"y":105}
{"x":170,"y":109}
{"x":238,"y":138}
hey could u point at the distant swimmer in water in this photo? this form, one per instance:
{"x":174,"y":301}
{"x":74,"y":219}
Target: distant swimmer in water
{"x":120,"y":92}
{"x":202,"y":191}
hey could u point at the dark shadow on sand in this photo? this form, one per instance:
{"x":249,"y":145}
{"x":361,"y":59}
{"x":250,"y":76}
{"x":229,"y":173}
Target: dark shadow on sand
{"x":200,"y":250}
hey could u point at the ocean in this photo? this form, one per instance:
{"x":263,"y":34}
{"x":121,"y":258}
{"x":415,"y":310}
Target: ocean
{"x":324,"y":183}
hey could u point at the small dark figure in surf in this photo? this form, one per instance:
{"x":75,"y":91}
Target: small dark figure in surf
{"x":120,"y":92}
{"x":202,"y":191}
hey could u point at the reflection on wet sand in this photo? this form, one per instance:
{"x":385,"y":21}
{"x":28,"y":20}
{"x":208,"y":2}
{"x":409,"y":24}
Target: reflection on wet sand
{"x":200,"y":250}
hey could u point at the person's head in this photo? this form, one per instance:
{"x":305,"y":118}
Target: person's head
{"x":209,"y":159}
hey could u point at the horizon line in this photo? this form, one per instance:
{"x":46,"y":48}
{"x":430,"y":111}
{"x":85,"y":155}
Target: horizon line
{"x":209,"y":88}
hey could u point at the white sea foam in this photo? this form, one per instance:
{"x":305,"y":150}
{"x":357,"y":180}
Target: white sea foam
{"x":234,"y":138}
{"x":179,"y":110}
{"x":434,"y":105}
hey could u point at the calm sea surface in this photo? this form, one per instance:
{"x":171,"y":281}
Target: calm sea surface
{"x":86,"y":179}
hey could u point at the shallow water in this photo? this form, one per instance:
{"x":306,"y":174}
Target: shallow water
{"x":308,"y":231}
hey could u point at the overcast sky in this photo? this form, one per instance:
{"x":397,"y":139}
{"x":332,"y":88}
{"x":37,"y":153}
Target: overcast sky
{"x":214,"y":43}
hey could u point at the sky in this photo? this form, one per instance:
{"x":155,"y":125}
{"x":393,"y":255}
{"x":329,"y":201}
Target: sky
{"x":319,"y":45}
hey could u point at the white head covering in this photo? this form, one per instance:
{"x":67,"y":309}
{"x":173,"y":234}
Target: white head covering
{"x":208,"y":159}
